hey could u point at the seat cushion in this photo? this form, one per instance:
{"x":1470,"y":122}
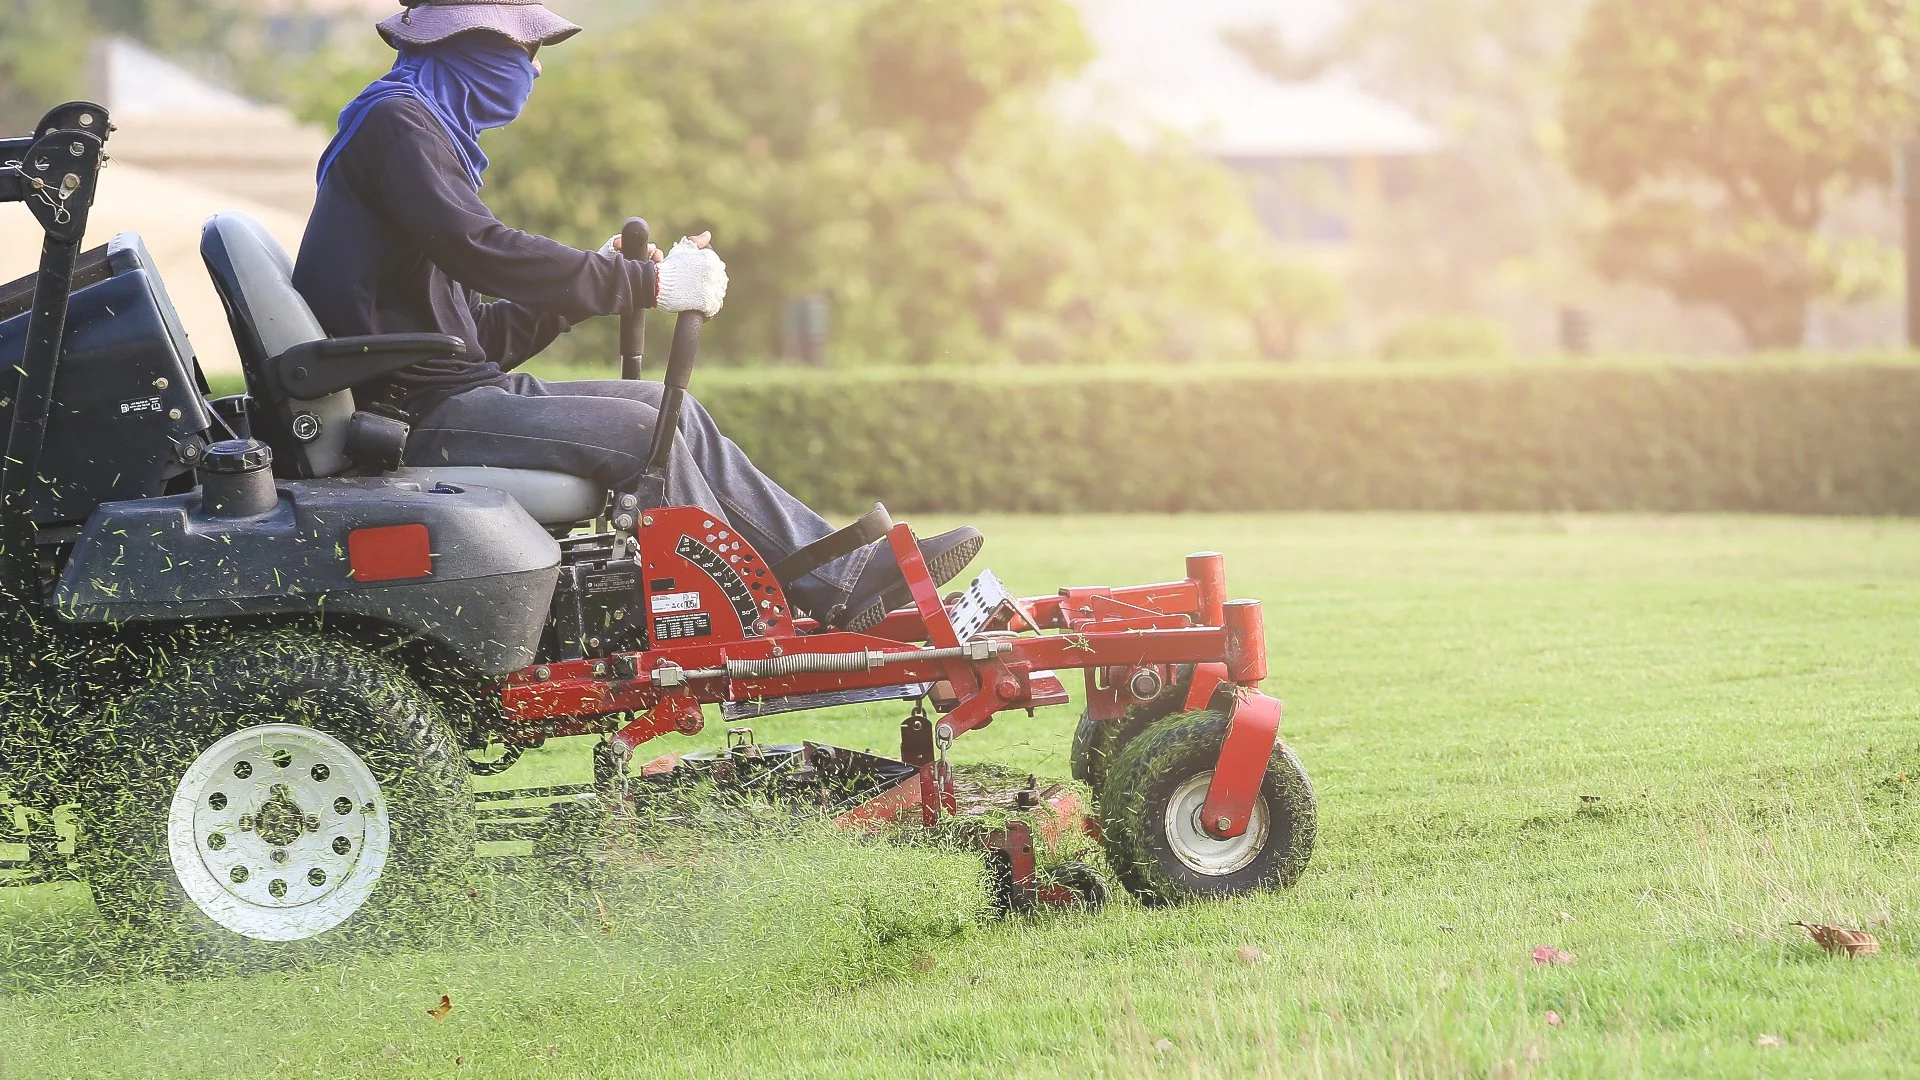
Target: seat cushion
{"x":551,"y":498}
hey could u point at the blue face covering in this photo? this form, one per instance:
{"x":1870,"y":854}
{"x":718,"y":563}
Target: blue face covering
{"x":471,"y":82}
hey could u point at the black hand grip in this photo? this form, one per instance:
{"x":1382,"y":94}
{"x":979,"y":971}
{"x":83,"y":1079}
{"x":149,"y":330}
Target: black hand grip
{"x":680,"y":364}
{"x":635,"y":239}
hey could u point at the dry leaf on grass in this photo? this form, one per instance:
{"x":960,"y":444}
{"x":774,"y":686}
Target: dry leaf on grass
{"x":1768,"y":1042}
{"x":1547,"y":954}
{"x":1553,"y":1019}
{"x":924,"y":963}
{"x":1566,"y":916}
{"x":1252,"y":954}
{"x":1837,"y":940}
{"x":1163,"y":1046}
{"x":446,"y":1006}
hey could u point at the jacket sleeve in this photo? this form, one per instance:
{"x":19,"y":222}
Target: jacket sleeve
{"x":425,"y":193}
{"x":512,"y":334}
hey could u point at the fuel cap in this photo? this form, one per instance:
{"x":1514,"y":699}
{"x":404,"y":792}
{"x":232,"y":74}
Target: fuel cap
{"x":238,"y":456}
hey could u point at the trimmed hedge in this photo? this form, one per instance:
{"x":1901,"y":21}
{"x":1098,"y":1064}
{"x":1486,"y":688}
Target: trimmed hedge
{"x":1821,"y":438}
{"x":1817,"y":437}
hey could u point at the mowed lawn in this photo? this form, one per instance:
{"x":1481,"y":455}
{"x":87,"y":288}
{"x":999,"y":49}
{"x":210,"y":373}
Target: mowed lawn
{"x":1653,"y":743}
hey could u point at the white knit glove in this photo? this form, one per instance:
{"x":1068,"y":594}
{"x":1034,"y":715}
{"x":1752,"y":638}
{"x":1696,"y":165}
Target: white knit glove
{"x":693,"y":279}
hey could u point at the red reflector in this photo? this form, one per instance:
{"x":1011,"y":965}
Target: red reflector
{"x":390,"y":553}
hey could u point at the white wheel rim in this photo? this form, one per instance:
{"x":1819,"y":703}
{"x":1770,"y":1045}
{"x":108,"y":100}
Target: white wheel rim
{"x":278,"y":832}
{"x":1200,"y":852}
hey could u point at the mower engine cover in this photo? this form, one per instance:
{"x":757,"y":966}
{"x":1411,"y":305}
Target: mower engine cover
{"x":467,"y":568}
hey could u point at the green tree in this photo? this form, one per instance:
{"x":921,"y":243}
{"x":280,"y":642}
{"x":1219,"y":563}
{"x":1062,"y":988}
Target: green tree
{"x":964,"y":226}
{"x":933,"y":67}
{"x":1722,"y":130}
{"x":1289,"y":300}
{"x":42,"y":60}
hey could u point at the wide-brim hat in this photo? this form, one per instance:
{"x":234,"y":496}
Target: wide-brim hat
{"x":426,"y":22}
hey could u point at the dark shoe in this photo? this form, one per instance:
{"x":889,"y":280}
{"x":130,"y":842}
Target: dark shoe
{"x":881,"y":589}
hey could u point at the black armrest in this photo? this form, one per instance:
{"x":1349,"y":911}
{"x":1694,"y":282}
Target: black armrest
{"x":331,"y":365}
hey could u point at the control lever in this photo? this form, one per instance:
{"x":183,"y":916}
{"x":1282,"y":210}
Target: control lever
{"x":635,"y":243}
{"x":680,"y":365}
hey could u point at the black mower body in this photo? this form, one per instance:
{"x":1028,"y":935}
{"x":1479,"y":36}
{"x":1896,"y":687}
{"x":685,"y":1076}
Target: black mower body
{"x":467,"y":569}
{"x":125,"y":532}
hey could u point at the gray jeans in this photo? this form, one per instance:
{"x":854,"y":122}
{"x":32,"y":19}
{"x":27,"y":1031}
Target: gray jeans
{"x":601,"y":430}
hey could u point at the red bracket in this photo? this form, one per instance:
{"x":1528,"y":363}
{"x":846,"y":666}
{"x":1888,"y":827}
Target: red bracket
{"x":926,"y":595}
{"x":1242,"y":768}
{"x":1018,"y":880}
{"x":1206,"y":679}
{"x":681,"y":714}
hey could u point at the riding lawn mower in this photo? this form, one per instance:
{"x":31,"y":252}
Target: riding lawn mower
{"x":254,"y":656}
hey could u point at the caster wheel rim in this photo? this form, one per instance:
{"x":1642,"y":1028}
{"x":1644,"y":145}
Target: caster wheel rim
{"x":278,"y":832}
{"x":1200,"y":852}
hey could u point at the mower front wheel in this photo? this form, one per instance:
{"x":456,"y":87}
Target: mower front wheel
{"x":1150,"y":817}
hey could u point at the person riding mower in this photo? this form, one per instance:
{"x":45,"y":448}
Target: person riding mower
{"x":259,"y":645}
{"x":400,"y":242}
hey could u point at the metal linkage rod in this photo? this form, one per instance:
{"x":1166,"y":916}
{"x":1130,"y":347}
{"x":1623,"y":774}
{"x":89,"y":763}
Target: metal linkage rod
{"x":780,"y":667}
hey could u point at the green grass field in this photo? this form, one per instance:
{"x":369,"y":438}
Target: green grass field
{"x":1651,"y":743}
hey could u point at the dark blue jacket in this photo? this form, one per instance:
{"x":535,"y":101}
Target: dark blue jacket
{"x":400,"y":243}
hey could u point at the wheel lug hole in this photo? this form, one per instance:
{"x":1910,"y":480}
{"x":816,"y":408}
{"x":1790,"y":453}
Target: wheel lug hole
{"x":217,"y":800}
{"x":238,"y":875}
{"x":279,"y":855}
{"x":216,"y":841}
{"x":243,"y":769}
{"x":343,"y":806}
{"x":282,"y":759}
{"x":341,"y":845}
{"x":277,"y":888}
{"x":316,"y":877}
{"x":320,"y":773}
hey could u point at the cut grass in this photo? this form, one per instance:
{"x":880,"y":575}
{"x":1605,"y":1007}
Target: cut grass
{"x":1652,"y":743}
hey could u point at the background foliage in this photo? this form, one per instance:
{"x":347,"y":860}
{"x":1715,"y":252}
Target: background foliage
{"x":893,"y":157}
{"x":1723,"y":132}
{"x":1764,"y":436}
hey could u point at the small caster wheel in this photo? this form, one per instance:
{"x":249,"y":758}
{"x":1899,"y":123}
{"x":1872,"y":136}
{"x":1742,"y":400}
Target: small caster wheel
{"x":1150,"y":817}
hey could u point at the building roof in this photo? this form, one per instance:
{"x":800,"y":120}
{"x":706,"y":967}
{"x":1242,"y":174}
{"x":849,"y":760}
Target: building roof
{"x":172,"y":121}
{"x":134,"y":81}
{"x":1165,"y":68}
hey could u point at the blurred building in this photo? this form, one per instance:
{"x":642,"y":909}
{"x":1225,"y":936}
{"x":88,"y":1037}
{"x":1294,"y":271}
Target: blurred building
{"x":174,"y":122}
{"x":184,"y":150}
{"x":1321,"y":156}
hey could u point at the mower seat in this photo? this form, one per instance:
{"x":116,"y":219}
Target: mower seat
{"x":284,"y":351}
{"x":552,"y":498}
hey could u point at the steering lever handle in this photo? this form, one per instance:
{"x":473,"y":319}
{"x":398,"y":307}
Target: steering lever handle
{"x":680,"y":364}
{"x":635,"y":243}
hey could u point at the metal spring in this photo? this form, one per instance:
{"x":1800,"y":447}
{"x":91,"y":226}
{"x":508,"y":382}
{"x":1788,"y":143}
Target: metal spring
{"x":779,"y":667}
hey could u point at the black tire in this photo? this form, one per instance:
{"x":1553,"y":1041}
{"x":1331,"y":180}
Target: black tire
{"x":1096,"y":744}
{"x":1170,"y":756}
{"x":308,"y":682}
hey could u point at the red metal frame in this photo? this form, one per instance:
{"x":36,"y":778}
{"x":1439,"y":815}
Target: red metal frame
{"x":1251,"y":733}
{"x":1110,"y":634}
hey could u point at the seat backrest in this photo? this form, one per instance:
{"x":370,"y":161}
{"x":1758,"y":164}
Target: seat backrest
{"x":254,"y":277}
